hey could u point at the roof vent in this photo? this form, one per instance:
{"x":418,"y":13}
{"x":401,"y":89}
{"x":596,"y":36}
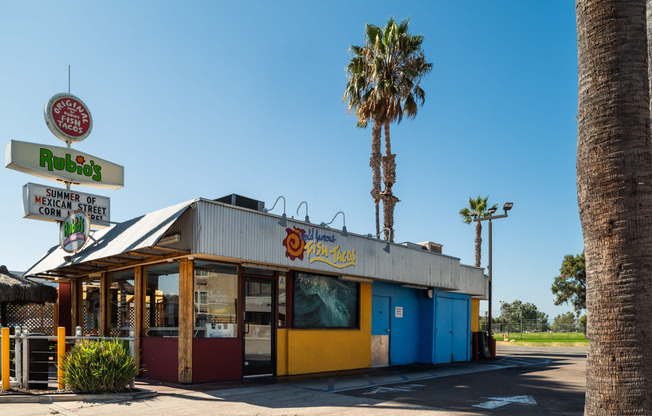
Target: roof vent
{"x":430,"y":246}
{"x":242,"y":201}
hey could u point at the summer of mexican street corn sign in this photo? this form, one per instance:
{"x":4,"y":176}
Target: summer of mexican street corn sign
{"x":48,"y":203}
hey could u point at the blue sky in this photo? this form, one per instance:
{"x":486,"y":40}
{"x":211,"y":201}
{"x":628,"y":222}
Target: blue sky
{"x":208,"y":98}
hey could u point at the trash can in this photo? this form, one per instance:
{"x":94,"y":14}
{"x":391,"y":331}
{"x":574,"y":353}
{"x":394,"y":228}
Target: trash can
{"x":39,"y":363}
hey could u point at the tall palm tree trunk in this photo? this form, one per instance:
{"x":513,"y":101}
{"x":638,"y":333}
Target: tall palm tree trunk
{"x":614,"y":191}
{"x":375,"y":162}
{"x":478,"y":243}
{"x":389,"y":178}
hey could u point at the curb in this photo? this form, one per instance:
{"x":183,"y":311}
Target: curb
{"x":72,"y":397}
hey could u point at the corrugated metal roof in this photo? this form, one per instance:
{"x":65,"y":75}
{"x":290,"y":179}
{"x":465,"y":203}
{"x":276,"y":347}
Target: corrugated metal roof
{"x":136,"y":234}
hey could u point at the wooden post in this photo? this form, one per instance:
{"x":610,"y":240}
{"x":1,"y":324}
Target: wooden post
{"x":186,"y":319}
{"x":55,"y":315}
{"x":5,"y":359}
{"x":61,"y":352}
{"x":139,"y":313}
{"x":105,"y":305}
{"x":76,"y":304}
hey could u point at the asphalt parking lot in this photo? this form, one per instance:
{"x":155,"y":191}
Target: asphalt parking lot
{"x":522,"y":381}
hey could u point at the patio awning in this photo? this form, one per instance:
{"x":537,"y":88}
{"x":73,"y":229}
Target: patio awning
{"x":133,"y":241}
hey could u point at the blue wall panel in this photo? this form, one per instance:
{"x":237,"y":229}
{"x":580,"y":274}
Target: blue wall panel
{"x":423,"y":334}
{"x":404,"y":335}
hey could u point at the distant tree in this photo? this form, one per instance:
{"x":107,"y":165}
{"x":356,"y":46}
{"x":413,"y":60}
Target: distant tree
{"x":477,"y":209}
{"x":564,"y":323}
{"x":512,"y":313}
{"x":583,"y":324}
{"x":570,"y":285}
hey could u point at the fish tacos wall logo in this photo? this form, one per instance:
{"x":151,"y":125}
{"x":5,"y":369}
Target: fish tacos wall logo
{"x":313,"y":244}
{"x":294,"y":243}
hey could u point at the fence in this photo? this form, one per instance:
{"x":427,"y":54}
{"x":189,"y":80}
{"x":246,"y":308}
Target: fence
{"x":533,"y":328}
{"x":35,"y":317}
{"x":30,"y":361}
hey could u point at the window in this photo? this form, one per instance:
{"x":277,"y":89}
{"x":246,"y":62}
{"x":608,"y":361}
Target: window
{"x":122,"y":303}
{"x":91,"y":306}
{"x":162,"y":300}
{"x":216,"y":300}
{"x":324,"y":302}
{"x":282,"y":299}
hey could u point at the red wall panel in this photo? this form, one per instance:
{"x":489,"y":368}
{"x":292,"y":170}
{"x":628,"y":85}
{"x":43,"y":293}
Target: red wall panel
{"x":161,"y":358}
{"x":216,"y":359}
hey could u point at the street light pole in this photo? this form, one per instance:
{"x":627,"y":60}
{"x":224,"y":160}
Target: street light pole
{"x":506,"y":207}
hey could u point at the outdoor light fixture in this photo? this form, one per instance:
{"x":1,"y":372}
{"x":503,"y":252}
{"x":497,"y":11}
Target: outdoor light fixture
{"x":492,"y":210}
{"x":304,"y":202}
{"x":386,"y":248}
{"x":282,"y":222}
{"x":325,"y":224}
{"x":506,"y":207}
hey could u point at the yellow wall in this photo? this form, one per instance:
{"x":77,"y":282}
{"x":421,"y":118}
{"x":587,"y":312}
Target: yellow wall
{"x":282,"y":352}
{"x":475,"y":315}
{"x":301,"y":351}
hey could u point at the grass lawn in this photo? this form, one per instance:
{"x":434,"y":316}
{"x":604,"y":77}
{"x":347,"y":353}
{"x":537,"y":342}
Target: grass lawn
{"x":545,"y":339}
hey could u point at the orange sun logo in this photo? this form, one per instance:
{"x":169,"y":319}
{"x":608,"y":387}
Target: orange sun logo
{"x":294,"y":243}
{"x":80,"y":159}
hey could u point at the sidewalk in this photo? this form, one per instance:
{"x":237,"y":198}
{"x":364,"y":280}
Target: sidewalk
{"x":305,"y":394}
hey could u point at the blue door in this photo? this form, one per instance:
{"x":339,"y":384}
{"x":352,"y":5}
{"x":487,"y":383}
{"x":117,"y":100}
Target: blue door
{"x":380,"y":330}
{"x":452,"y":332}
{"x":461,"y":331}
{"x":444,"y":331}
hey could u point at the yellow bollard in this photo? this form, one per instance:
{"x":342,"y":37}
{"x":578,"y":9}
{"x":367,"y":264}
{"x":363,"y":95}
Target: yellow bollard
{"x":61,"y":352}
{"x":5,"y":359}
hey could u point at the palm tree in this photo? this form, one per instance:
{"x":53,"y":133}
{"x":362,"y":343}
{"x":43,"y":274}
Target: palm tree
{"x":359,"y":92}
{"x":477,"y":209}
{"x":384,"y":86}
{"x":614,"y":193}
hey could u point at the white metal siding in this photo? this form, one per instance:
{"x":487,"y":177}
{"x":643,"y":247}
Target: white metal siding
{"x":251,"y":236}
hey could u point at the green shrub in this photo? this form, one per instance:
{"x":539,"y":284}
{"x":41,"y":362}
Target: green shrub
{"x":98,"y":366}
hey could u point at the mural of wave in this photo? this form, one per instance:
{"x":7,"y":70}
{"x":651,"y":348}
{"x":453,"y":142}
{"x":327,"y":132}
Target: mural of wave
{"x":324,"y":302}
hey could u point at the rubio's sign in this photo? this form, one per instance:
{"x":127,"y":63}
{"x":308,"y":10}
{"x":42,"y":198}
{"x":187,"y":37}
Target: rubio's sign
{"x":68,"y":118}
{"x":74,"y":231}
{"x":63,"y":165}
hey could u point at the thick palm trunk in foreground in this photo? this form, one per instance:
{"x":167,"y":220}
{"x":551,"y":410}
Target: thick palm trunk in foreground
{"x":614,"y":190}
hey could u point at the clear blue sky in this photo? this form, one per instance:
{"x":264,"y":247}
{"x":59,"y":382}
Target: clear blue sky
{"x":208,"y":98}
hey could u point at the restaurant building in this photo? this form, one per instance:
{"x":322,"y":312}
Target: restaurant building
{"x":220,"y":289}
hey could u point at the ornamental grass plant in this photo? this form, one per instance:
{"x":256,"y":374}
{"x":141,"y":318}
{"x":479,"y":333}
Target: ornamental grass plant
{"x":98,"y":366}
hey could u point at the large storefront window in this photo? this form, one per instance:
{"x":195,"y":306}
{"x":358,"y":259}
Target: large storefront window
{"x":122,"y":303}
{"x":216,"y":300}
{"x":162,"y":300}
{"x":91,"y":307}
{"x":324,"y":302}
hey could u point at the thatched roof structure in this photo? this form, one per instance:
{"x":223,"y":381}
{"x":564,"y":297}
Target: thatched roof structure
{"x":14,"y":289}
